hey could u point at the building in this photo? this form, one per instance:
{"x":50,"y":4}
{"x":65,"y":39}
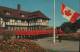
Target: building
{"x":22,"y":21}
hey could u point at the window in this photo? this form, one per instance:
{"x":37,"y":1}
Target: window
{"x":17,"y":28}
{"x":1,"y":19}
{"x":22,"y":16}
{"x":3,"y":24}
{"x":18,"y":37}
{"x":12,"y":20}
{"x":39,"y":20}
{"x":19,"y":21}
{"x":11,"y":28}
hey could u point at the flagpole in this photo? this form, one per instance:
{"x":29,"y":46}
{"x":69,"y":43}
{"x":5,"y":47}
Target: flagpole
{"x":54,"y":35}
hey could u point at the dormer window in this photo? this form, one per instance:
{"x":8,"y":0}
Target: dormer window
{"x":22,"y":16}
{"x":7,"y":13}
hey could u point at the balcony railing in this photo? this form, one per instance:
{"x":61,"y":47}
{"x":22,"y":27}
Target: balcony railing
{"x":17,"y":24}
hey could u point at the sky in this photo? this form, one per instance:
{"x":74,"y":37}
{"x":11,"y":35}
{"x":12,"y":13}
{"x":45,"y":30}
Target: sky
{"x":73,"y":4}
{"x":45,"y":6}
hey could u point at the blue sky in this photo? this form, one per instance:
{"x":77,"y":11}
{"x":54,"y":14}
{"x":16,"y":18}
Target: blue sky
{"x":74,"y":4}
{"x":46,"y":6}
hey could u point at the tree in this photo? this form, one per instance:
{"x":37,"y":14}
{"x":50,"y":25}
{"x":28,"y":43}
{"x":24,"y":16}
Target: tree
{"x":68,"y":27}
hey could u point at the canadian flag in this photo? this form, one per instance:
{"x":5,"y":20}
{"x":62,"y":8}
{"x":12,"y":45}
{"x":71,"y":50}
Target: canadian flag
{"x":69,"y":13}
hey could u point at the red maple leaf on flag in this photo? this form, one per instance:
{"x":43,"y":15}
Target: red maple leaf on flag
{"x":67,"y":12}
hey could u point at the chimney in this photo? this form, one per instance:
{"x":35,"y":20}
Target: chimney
{"x":18,"y":7}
